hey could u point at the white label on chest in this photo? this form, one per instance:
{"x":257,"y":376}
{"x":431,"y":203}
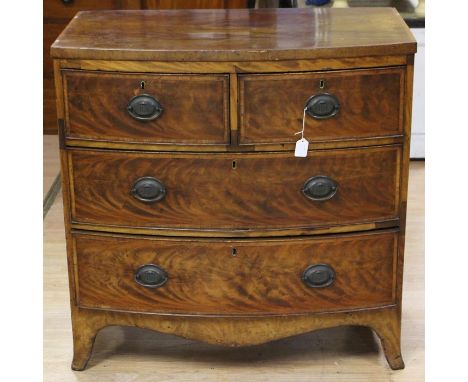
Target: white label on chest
{"x":302,"y":145}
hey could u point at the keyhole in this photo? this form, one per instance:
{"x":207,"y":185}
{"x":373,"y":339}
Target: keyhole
{"x":234,"y":252}
{"x":142,"y":84}
{"x":234,"y":164}
{"x":322,"y":84}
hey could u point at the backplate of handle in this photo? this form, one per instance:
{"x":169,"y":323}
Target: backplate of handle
{"x":320,"y":188}
{"x":148,"y":189}
{"x":318,"y":276}
{"x":151,"y":276}
{"x":144,"y":107}
{"x":322,"y":106}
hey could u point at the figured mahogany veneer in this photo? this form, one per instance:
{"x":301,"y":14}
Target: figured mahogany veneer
{"x":186,"y":210}
{"x":262,"y":277}
{"x":235,"y":34}
{"x":370,"y":104}
{"x":195,"y":107}
{"x":262,"y":193}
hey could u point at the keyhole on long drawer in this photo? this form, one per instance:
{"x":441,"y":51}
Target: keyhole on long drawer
{"x":234,"y":164}
{"x":322,"y":84}
{"x":234,"y":252}
{"x":142,"y":84}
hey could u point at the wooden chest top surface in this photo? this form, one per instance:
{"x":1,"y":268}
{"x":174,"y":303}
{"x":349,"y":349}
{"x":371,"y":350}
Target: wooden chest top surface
{"x":234,"y":34}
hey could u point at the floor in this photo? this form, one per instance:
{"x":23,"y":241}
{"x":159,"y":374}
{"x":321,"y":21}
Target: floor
{"x":51,"y":164}
{"x":50,"y":172}
{"x":128,"y":354}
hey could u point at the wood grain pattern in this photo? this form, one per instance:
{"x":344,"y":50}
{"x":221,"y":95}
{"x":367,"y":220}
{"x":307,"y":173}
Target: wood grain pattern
{"x":193,"y":4}
{"x":232,"y":331}
{"x":233,"y":108}
{"x":235,"y":34}
{"x":236,"y":232}
{"x":271,"y":106}
{"x":404,"y":181}
{"x":196,"y":107}
{"x":264,"y":277}
{"x":347,"y":350}
{"x":240,"y":299}
{"x":269,"y":147}
{"x":203,"y":191}
{"x":234,"y":66}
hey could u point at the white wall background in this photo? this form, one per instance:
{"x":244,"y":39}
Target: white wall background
{"x":417,"y":128}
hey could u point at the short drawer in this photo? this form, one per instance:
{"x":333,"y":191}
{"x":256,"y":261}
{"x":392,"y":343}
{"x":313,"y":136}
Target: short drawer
{"x":234,"y":192}
{"x":349,"y":104}
{"x":147,"y":108}
{"x":226,"y":277}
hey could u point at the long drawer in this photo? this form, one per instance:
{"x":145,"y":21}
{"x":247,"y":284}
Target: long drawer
{"x":208,"y":276}
{"x":240,"y":192}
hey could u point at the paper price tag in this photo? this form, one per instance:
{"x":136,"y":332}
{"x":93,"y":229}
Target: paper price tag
{"x":302,"y":145}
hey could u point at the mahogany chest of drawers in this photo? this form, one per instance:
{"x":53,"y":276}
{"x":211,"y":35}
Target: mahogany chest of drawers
{"x":186,"y":209}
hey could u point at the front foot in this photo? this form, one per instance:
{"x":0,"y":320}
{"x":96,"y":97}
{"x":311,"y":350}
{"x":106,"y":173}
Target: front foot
{"x":389,"y":334}
{"x":83,"y":341}
{"x":393,"y":354}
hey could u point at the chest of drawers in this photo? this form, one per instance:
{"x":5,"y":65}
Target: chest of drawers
{"x":186,"y":211}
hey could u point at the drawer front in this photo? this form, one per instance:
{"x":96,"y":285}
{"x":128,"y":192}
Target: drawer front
{"x":166,"y":108}
{"x":235,"y":191}
{"x":341,"y":105}
{"x":66,"y":9}
{"x":236,"y":277}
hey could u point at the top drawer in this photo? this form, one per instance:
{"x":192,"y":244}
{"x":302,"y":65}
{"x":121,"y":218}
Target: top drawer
{"x":147,"y":108}
{"x":342,"y":105}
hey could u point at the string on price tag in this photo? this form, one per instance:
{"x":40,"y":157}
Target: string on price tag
{"x":302,"y":145}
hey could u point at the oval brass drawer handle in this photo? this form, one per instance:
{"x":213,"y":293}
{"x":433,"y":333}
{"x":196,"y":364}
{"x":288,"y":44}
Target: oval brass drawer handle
{"x":318,"y":276}
{"x":144,"y":107}
{"x":151,"y":276}
{"x":148,"y":189}
{"x":322,"y":106}
{"x":320,"y":188}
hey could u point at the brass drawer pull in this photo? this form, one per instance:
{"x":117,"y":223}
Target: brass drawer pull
{"x":318,"y":276}
{"x":322,"y":106}
{"x":320,"y":188}
{"x":144,"y":107}
{"x":149,"y":189}
{"x":151,"y":276}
